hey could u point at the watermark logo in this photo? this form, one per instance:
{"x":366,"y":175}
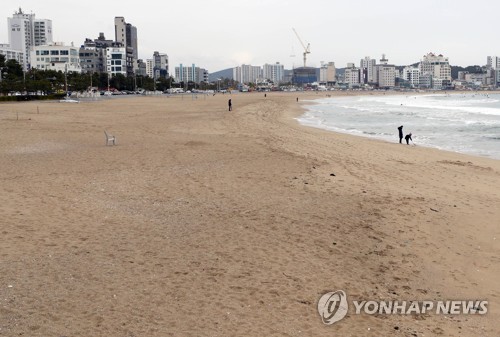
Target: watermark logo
{"x":333,"y":306}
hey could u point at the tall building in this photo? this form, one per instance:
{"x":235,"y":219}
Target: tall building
{"x":493,"y":63}
{"x":274,"y":72}
{"x":367,"y":67}
{"x":126,"y":34}
{"x":26,"y":32}
{"x":149,"y":67}
{"x":327,"y":73}
{"x":352,"y":75}
{"x":436,"y":69}
{"x":160,"y":65}
{"x":191,"y":74}
{"x":412,"y":75}
{"x":42,"y":32}
{"x":247,"y":73}
{"x":385,"y":74}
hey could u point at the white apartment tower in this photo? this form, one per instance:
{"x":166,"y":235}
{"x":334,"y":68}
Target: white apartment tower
{"x":367,"y":66}
{"x":273,"y":72}
{"x":187,"y":74}
{"x":412,"y":75}
{"x":493,"y":63}
{"x":26,"y":32}
{"x":247,"y":73}
{"x":149,"y":67}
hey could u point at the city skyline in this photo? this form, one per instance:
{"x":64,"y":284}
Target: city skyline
{"x":217,"y":34}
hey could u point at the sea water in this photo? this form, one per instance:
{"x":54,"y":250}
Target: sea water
{"x":466,"y":123}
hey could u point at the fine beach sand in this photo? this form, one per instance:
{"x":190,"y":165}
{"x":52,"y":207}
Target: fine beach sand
{"x":204,"y":222}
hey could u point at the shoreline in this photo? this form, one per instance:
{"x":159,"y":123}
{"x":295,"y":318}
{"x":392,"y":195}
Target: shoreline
{"x":327,"y":128}
{"x":245,"y":218}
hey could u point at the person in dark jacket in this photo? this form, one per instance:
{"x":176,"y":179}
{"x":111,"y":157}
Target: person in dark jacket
{"x":408,"y":138}
{"x":400,"y":134}
{"x":230,"y":105}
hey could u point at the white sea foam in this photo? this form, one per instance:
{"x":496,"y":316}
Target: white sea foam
{"x":463,"y":123}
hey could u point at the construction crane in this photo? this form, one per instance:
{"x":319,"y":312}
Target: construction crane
{"x":306,"y":49}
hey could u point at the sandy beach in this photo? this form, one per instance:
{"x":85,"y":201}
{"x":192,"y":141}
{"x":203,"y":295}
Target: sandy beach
{"x":204,"y":222}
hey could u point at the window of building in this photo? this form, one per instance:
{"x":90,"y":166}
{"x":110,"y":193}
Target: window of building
{"x":54,"y":52}
{"x":64,"y":52}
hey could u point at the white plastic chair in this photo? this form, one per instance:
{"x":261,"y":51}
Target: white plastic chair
{"x":110,"y":138}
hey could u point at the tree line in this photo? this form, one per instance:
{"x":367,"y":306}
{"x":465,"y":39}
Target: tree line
{"x":14,"y":79}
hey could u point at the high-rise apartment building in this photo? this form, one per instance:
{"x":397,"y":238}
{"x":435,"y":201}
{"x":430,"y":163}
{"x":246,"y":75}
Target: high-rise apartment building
{"x":274,"y":72}
{"x":149,"y":67}
{"x":26,"y":32}
{"x":493,"y":63}
{"x":247,"y":73}
{"x":368,"y":70}
{"x":412,"y":75}
{"x":191,"y":74}
{"x":126,"y":34}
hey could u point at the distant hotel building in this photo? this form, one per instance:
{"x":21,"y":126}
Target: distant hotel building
{"x":26,"y":32}
{"x":435,"y":71}
{"x":56,"y":56}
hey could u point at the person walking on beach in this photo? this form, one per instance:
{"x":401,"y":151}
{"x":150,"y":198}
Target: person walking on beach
{"x":400,"y":134}
{"x":408,"y":138}
{"x":230,"y":105}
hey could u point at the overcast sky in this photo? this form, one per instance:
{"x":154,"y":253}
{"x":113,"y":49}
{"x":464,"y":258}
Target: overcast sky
{"x":219,"y":34}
